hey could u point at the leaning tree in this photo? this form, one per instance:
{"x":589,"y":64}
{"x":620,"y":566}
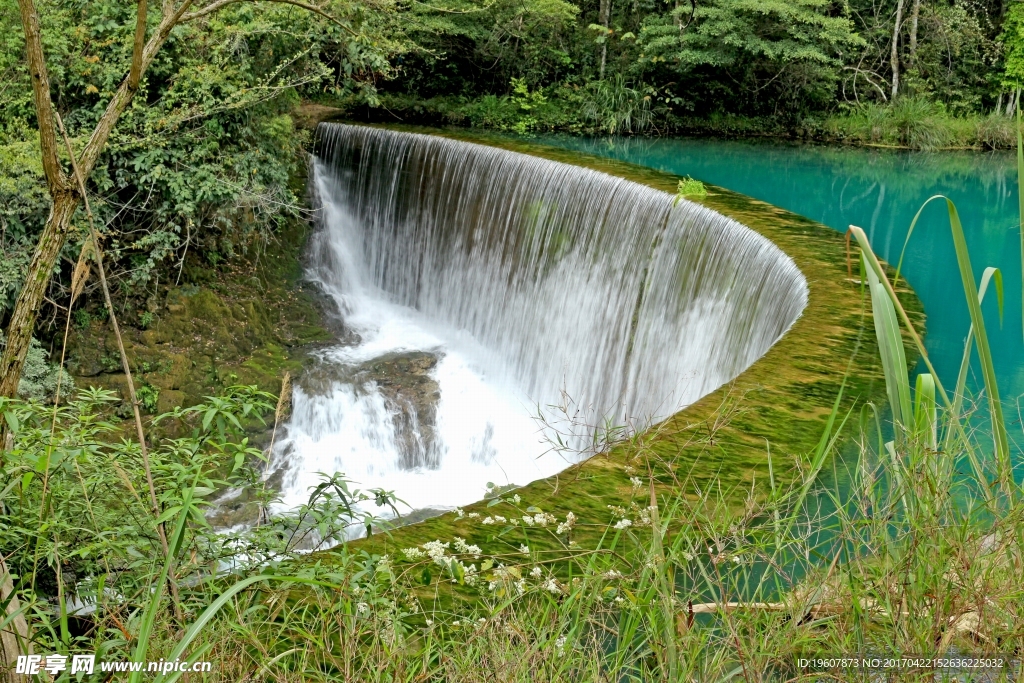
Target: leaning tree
{"x":66,"y":183}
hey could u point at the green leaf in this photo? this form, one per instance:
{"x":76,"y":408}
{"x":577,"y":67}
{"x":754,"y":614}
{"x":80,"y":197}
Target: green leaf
{"x":168,"y":514}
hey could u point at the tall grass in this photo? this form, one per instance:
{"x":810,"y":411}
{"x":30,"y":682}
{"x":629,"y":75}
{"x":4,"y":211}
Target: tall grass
{"x":916,"y":122}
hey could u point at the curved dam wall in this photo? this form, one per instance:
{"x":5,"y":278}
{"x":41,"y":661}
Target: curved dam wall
{"x":514,"y":283}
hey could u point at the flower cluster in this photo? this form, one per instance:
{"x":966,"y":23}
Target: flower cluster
{"x":566,"y":526}
{"x":539,"y":519}
{"x":437,"y":552}
{"x":413,"y":554}
{"x":439,"y":555}
{"x":461,"y":546}
{"x":641,"y":515}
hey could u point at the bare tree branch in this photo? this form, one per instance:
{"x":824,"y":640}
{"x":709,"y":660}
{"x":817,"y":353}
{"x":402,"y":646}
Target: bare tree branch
{"x":219,"y":4}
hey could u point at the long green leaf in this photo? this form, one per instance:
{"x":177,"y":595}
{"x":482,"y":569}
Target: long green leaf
{"x":910,"y":232}
{"x":150,"y":615}
{"x":1002,"y":442}
{"x":890,"y":345}
{"x":876,"y":266}
{"x":924,"y":410}
{"x":1020,"y":204}
{"x":990,"y":274}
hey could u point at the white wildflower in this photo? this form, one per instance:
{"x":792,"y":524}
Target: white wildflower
{"x":520,"y":586}
{"x":413,"y":554}
{"x":566,"y":526}
{"x":436,"y":551}
{"x":637,"y":482}
{"x":645,"y":516}
{"x":544,"y":518}
{"x":492,"y":585}
{"x":488,"y":520}
{"x":551,"y":585}
{"x":516,"y":499}
{"x":623,"y":524}
{"x":474,"y":515}
{"x":499,"y":519}
{"x":430,"y":622}
{"x":527,"y":520}
{"x":362,"y":608}
{"x":611,"y":575}
{"x":459,"y":514}
{"x":525,"y":550}
{"x":536,"y":572}
{"x":460,"y":545}
{"x":560,"y":645}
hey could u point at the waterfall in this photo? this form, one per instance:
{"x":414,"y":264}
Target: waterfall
{"x":478,"y":286}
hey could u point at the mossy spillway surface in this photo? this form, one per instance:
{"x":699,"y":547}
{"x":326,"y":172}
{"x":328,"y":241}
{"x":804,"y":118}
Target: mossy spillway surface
{"x":479,"y":288}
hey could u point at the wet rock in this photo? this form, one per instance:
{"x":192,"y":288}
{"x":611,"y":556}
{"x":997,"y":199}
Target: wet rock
{"x":410,"y":392}
{"x":411,"y":395}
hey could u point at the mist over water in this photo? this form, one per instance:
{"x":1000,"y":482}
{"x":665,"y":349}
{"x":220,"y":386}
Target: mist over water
{"x":478,"y":286}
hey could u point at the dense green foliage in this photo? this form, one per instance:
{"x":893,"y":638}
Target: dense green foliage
{"x":199,"y":166}
{"x":724,"y":66}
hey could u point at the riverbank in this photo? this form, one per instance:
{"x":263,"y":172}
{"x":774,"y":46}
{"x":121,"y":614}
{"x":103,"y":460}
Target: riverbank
{"x":912,"y":123}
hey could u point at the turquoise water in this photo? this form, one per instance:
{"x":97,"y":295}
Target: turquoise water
{"x":880,"y":191}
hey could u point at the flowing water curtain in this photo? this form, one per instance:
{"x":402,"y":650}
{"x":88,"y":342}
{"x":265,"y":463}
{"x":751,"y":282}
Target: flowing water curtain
{"x":574,"y":279}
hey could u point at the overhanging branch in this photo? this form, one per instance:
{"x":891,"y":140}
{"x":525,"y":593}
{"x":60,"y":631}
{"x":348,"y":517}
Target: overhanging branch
{"x":220,"y":4}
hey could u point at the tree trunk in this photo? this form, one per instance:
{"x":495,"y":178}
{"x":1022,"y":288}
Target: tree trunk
{"x":604,"y":19}
{"x":19,"y":332}
{"x":915,"y":13}
{"x":894,"y":58}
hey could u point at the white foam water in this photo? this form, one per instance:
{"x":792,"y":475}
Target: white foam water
{"x":530,"y":280}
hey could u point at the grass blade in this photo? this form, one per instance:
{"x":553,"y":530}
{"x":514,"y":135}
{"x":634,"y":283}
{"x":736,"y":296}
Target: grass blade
{"x":1020,"y":206}
{"x":890,"y":345}
{"x":999,"y":435}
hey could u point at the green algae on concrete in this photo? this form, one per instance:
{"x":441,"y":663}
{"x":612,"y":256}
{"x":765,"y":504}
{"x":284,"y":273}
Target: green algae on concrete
{"x":778,"y":408}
